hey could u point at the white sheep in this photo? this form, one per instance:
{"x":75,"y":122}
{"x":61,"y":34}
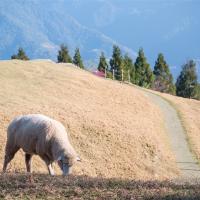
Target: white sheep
{"x":43,"y":136}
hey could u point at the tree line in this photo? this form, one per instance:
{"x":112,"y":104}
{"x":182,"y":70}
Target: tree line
{"x":159,"y":79}
{"x":121,"y":67}
{"x":62,"y":57}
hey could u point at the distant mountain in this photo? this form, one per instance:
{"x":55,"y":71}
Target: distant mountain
{"x":41,"y":26}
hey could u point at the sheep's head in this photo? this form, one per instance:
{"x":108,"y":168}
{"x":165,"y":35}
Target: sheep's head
{"x":66,"y":162}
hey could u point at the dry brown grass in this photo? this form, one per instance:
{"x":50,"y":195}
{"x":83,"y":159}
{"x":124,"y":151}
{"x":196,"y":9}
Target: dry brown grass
{"x":114,"y":127}
{"x":18,"y":186}
{"x":189,"y":111}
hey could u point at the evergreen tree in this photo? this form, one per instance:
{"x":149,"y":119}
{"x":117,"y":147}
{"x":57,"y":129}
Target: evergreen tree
{"x":21,"y":55}
{"x":116,"y":62}
{"x":14,"y":57}
{"x":63,"y":55}
{"x":143,"y":74}
{"x":102,"y":63}
{"x":163,"y":78}
{"x":77,"y":60}
{"x":198,"y":92}
{"x":128,"y":69}
{"x":172,"y":87}
{"x":187,"y":84}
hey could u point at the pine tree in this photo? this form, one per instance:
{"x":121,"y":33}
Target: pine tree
{"x":198,"y":92}
{"x":172,"y":87}
{"x":77,"y":60}
{"x":163,"y":78}
{"x":116,"y":62}
{"x":21,"y":55}
{"x":187,"y":84}
{"x":102,"y":63}
{"x":143,"y":74}
{"x":14,"y":57}
{"x":63,"y":55}
{"x":128,"y":69}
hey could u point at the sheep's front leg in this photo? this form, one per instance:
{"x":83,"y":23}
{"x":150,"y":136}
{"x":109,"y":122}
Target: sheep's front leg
{"x":28,"y":162}
{"x":49,"y":165}
{"x":50,"y":168}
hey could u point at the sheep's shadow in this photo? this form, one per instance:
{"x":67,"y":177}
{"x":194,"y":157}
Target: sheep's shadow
{"x":79,"y":186}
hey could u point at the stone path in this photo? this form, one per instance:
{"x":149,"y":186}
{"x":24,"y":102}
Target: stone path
{"x":186,"y":162}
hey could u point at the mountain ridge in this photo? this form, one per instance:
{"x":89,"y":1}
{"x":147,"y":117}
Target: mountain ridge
{"x":40,"y":30}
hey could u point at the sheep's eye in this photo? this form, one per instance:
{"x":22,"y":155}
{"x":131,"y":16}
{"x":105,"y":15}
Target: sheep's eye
{"x":60,"y":163}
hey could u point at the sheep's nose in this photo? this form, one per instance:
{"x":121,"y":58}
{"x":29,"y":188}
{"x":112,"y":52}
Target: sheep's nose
{"x":66,"y":169}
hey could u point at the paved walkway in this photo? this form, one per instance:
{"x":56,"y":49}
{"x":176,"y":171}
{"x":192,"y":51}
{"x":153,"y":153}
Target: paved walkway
{"x":188,"y":165}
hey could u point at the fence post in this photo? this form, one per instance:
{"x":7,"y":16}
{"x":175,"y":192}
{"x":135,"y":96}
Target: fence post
{"x":129,"y":76}
{"x":105,"y":73}
{"x":113,"y":73}
{"x":122,"y":75}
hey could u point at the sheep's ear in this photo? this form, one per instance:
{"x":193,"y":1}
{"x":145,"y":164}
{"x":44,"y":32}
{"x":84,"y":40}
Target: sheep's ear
{"x":78,"y":159}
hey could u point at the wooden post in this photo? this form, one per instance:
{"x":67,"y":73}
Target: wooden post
{"x":122,"y":75}
{"x":105,"y":73}
{"x":113,"y":74}
{"x":129,"y":76}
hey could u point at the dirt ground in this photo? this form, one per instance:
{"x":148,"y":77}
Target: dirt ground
{"x":115,"y":129}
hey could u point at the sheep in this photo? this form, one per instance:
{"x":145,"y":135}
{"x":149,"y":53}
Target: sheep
{"x":40,"y":135}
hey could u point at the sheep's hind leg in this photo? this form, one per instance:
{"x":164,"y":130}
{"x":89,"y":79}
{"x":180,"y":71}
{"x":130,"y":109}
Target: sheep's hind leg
{"x":8,"y":157}
{"x":28,"y":162}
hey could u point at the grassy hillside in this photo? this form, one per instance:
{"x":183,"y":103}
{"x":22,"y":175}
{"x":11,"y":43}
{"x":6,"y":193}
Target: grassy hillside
{"x":116,"y":130}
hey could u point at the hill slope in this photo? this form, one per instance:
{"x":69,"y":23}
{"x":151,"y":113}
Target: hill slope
{"x":116,"y":130}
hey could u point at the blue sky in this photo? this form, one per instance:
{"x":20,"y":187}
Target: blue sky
{"x":170,"y":27}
